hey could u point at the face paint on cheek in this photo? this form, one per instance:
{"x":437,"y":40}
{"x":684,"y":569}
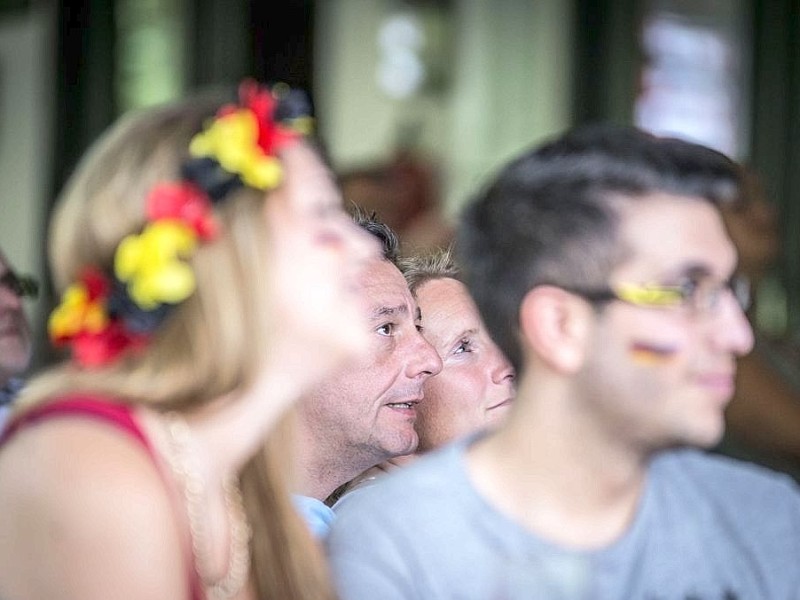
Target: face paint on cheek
{"x":648,"y":354}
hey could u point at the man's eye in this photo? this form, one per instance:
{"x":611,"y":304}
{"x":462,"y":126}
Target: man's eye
{"x":689,"y":289}
{"x":21,"y":285}
{"x":386,"y":329}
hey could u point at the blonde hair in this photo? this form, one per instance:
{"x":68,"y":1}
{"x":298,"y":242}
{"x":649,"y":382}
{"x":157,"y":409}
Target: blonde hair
{"x":211,"y":344}
{"x":437,"y":263}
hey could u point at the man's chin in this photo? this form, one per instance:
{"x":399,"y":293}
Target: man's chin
{"x":403,"y":444}
{"x":703,"y":440}
{"x":702,"y":437}
{"x":14,"y":364}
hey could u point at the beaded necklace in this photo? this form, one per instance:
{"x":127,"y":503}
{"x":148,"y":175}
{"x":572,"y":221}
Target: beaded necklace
{"x":182,"y":461}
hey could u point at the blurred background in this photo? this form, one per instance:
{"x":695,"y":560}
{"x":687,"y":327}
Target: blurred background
{"x":417,"y":101}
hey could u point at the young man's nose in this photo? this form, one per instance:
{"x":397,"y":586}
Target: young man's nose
{"x":732,"y":330}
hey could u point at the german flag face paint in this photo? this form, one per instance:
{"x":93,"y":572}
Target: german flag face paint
{"x":649,"y":354}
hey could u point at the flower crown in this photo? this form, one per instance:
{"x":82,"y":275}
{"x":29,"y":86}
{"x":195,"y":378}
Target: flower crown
{"x":101,"y":317}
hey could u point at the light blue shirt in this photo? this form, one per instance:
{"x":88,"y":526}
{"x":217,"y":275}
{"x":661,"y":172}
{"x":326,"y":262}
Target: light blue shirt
{"x":316,"y":514}
{"x":706,"y":527}
{"x":7,"y":394}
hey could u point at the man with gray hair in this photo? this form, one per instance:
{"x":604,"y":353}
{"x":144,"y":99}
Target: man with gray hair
{"x":364,"y":414}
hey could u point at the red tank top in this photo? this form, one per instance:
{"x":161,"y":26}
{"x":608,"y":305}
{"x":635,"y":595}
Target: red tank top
{"x":115,"y":414}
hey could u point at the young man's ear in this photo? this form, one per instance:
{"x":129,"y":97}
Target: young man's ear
{"x":554,"y":325}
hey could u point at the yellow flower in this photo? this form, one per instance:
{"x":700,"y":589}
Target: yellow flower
{"x":76,"y":313}
{"x":229,"y":140}
{"x":232,"y":140}
{"x":263,"y":173}
{"x":151,"y":264}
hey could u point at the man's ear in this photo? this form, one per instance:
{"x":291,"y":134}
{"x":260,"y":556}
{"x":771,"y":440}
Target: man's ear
{"x":554,"y":325}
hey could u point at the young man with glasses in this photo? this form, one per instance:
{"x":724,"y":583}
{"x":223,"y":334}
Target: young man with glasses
{"x":15,"y":332}
{"x":602,"y":268}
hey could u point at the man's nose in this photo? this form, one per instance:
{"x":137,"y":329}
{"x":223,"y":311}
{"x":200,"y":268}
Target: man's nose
{"x":425,"y":360}
{"x":732,"y":330}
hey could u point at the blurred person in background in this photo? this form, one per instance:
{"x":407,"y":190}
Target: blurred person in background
{"x":404,"y":192}
{"x":15,"y":333}
{"x":763,"y":419}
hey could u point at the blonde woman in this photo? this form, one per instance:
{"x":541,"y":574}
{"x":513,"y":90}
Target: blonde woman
{"x":208,"y":272}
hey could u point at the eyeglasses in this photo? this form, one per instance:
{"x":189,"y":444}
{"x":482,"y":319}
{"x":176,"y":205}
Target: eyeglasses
{"x":699,"y":295}
{"x":23,"y":286}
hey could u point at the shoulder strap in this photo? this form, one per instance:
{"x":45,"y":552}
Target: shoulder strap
{"x":116,"y":414}
{"x":90,"y":407}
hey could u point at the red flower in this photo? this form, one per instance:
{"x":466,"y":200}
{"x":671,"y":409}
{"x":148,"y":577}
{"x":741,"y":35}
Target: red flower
{"x":272,"y":136}
{"x":96,"y":283}
{"x":97,"y":349}
{"x":184,"y":202}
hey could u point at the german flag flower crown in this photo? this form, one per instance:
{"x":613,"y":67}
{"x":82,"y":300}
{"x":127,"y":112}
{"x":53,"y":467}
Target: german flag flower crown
{"x":101,"y":317}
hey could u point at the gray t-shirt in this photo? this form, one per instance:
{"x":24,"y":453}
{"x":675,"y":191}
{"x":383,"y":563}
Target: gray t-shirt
{"x":707,"y":528}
